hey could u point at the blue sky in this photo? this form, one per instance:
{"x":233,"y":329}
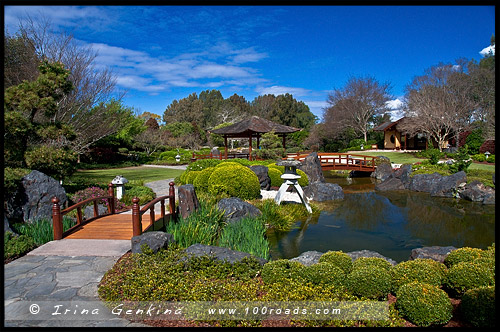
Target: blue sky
{"x":162,"y":53}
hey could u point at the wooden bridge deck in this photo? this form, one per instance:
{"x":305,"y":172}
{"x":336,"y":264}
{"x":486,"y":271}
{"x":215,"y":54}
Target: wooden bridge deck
{"x":111,"y":227}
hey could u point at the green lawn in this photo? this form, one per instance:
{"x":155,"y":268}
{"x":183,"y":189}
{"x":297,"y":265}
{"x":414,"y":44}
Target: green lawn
{"x":395,"y":157}
{"x":483,"y":167}
{"x":140,"y":173}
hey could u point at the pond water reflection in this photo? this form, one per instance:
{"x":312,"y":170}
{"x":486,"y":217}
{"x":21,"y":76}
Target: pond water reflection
{"x":391,"y":223}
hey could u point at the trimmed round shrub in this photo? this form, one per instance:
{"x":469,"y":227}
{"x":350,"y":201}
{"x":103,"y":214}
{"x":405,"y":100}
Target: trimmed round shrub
{"x":339,"y":259}
{"x":369,"y":262}
{"x":423,"y":304}
{"x":145,"y":195}
{"x":279,"y":168}
{"x":464,"y":276}
{"x":324,"y":274}
{"x":191,"y":176}
{"x":234,"y":181}
{"x":229,"y":163}
{"x":424,"y":270}
{"x":478,"y":306}
{"x":465,"y":254}
{"x":275,"y":176}
{"x":201,"y":181}
{"x":201,"y":164}
{"x":303,"y":181}
{"x":282,"y":270}
{"x":369,"y":281}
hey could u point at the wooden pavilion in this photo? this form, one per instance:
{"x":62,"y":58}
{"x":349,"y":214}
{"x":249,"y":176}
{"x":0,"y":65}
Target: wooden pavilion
{"x":253,"y":127}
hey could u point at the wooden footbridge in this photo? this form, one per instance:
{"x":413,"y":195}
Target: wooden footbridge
{"x":341,"y":161}
{"x":114,"y":225}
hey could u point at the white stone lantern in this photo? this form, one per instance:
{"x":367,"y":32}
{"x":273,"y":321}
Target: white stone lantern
{"x":119,"y":181}
{"x":290,"y":178}
{"x":487,"y":154}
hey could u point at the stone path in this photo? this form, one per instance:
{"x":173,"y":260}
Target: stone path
{"x":61,"y":275}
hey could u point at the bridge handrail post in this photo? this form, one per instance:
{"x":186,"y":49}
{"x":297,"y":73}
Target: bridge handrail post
{"x":171,"y":200}
{"x":56,"y":219}
{"x":136,"y":217}
{"x":111,"y":201}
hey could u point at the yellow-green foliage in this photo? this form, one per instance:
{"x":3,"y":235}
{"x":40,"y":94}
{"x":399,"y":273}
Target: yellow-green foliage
{"x":275,"y":176}
{"x":201,"y":181}
{"x":303,"y":181}
{"x":234,"y":181}
{"x":369,"y":281}
{"x":421,"y":269}
{"x":324,"y":274}
{"x":339,"y":259}
{"x":464,"y":276}
{"x":465,"y":254}
{"x":478,"y":306}
{"x":228,"y":163}
{"x":282,"y":270}
{"x":423,"y":304}
{"x":371,"y":262}
{"x":191,"y":177}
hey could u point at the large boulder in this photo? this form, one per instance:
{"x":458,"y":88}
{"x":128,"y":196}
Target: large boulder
{"x":323,"y":191}
{"x":403,"y":174}
{"x":154,"y":240}
{"x":424,"y":182}
{"x":312,"y":167}
{"x":478,"y":192}
{"x":435,"y":252}
{"x":218,"y":253}
{"x":448,"y":185}
{"x":188,"y":201}
{"x":308,"y":258}
{"x":235,"y":208}
{"x":33,"y":199}
{"x":390,"y":184}
{"x":262,"y":175}
{"x":382,"y":172}
{"x":368,"y":253}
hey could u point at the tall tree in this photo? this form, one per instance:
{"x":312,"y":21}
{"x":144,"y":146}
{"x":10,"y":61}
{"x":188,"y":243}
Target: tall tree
{"x":20,"y":60}
{"x":439,"y":103}
{"x":358,"y":103}
{"x":212,"y":102}
{"x":189,"y":109}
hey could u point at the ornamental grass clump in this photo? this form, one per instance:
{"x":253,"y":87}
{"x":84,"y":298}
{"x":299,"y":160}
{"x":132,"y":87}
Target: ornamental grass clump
{"x":246,"y":235}
{"x":464,"y":276}
{"x":282,"y":270}
{"x":424,"y":305}
{"x":478,"y":306}
{"x":369,"y":281}
{"x":339,"y":259}
{"x":421,"y":269}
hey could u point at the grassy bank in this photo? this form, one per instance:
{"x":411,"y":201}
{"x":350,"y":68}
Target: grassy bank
{"x":140,"y":173}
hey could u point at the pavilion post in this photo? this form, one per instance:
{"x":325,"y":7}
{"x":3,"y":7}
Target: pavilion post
{"x":250,"y":147}
{"x":284,"y":143}
{"x":225,"y":146}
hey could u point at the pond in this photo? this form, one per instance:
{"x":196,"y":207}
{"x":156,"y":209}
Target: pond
{"x":390,"y":223}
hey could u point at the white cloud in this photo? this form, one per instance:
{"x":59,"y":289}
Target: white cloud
{"x":485,"y":51}
{"x":281,"y":90}
{"x":396,"y":107}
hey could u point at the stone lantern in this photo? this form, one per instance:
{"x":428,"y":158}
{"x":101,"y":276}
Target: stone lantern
{"x":487,"y":154}
{"x":290,"y":178}
{"x":119,"y":181}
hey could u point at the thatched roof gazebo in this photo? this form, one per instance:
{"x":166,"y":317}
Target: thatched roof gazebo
{"x":253,"y":127}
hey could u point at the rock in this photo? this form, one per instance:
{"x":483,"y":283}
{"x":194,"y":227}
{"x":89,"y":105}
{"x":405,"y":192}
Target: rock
{"x":188,"y":201}
{"x":478,"y":192}
{"x":32,"y":201}
{"x":448,"y":185}
{"x":308,"y":258}
{"x":322,"y":191}
{"x":312,"y":167}
{"x":89,"y":210}
{"x":218,"y":253}
{"x":215,"y":151}
{"x":155,"y":240}
{"x":390,"y":184}
{"x":424,"y":182}
{"x":383,"y":172}
{"x":404,"y":174}
{"x":235,"y":208}
{"x":264,"y":179}
{"x":435,"y":252}
{"x":368,"y":253}
{"x":6,"y":225}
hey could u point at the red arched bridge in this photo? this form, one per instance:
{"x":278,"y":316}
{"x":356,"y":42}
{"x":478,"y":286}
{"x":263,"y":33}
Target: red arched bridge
{"x":114,"y":225}
{"x":341,"y":161}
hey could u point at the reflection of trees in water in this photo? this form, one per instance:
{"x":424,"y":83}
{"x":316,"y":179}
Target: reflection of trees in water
{"x":290,"y":241}
{"x":445,"y":221}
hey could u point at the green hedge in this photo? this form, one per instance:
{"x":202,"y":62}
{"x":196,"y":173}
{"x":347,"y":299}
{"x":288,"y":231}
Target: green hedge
{"x":369,"y":281}
{"x":324,"y":274}
{"x":424,"y":305}
{"x":369,"y":262}
{"x":423,"y":270}
{"x":478,"y":306}
{"x":282,"y":270}
{"x":234,"y":181}
{"x":339,"y":259}
{"x":201,"y":181}
{"x":145,"y":195}
{"x":468,"y":275}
